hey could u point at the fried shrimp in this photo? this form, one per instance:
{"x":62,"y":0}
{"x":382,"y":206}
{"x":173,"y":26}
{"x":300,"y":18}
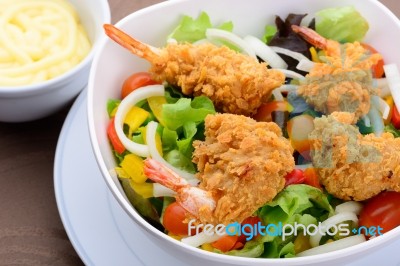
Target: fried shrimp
{"x":236,"y":83}
{"x":242,"y":164}
{"x":343,"y":82}
{"x":352,"y":166}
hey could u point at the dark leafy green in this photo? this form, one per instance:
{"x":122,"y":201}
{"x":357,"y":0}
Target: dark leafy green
{"x":142,"y":205}
{"x":285,"y":37}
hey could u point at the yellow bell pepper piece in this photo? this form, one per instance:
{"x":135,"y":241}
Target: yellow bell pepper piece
{"x":159,"y":144}
{"x":314,"y":55}
{"x":143,"y":130}
{"x":133,"y":165}
{"x":390,"y":102}
{"x":175,"y":236}
{"x":113,"y":112}
{"x":144,"y":189}
{"x":156,"y":104}
{"x":121,"y":173}
{"x":135,"y":118}
{"x":301,"y":243}
{"x":207,"y":247}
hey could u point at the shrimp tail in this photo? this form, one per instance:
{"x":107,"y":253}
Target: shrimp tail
{"x":193,"y":199}
{"x":134,"y":46}
{"x":163,"y":175}
{"x":311,"y":36}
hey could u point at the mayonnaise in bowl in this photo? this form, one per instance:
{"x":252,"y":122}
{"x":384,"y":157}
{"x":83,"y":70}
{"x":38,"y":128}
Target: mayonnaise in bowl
{"x":39,"y":40}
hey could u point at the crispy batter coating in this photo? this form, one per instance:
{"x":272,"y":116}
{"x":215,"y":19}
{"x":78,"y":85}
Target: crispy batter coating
{"x":236,"y":83}
{"x":343,"y":82}
{"x":352,"y":166}
{"x":242,"y":163}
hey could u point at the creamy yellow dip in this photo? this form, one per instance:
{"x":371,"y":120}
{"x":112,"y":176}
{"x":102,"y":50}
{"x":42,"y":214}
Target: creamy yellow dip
{"x":39,"y":40}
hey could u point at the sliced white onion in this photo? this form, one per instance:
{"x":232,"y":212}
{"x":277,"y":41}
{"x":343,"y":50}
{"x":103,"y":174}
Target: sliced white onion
{"x":201,"y":41}
{"x":328,"y":223}
{"x":277,"y":95}
{"x":383,"y":85}
{"x":393,"y":79}
{"x":366,"y":120}
{"x":162,"y":191}
{"x":335,"y":245}
{"x":123,"y":109}
{"x":349,"y":206}
{"x":151,"y":143}
{"x":265,"y":52}
{"x":305,"y":65}
{"x":291,"y":74}
{"x":376,"y":121}
{"x":231,"y":38}
{"x":381,"y":105}
{"x":294,"y":55}
{"x":200,"y":239}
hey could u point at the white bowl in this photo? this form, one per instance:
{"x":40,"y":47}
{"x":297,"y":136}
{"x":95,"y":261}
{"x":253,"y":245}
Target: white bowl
{"x":112,"y":64}
{"x":31,"y":102}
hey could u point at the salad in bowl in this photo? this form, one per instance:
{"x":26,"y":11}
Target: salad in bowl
{"x":268,"y":138}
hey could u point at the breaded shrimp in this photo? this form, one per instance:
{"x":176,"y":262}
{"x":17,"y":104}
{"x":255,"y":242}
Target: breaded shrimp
{"x":352,"y":166}
{"x":242,"y":164}
{"x":236,"y":83}
{"x":343,"y":83}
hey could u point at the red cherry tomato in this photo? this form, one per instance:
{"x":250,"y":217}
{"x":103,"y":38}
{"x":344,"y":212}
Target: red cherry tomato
{"x":225,"y":243}
{"x":311,"y":178}
{"x":382,"y":210}
{"x":295,"y":177}
{"x":173,"y":220}
{"x":136,"y":81}
{"x":252,"y":220}
{"x":395,"y":118}
{"x":377,"y":69}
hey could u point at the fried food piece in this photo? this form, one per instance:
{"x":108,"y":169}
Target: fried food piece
{"x":242,"y":163}
{"x":236,"y":83}
{"x":343,"y":82}
{"x":352,"y":166}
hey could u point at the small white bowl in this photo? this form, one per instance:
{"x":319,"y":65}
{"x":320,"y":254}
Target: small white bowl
{"x":152,"y":25}
{"x":31,"y":102}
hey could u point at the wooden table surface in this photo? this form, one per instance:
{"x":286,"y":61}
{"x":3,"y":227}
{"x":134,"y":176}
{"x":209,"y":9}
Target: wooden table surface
{"x":31,"y":232}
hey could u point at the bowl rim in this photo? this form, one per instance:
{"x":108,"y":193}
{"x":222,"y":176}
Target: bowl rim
{"x":377,"y":242}
{"x":51,"y":84}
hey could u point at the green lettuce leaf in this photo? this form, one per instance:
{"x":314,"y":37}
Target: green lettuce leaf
{"x":187,"y":110}
{"x":296,"y":199}
{"x":252,"y":249}
{"x":184,"y":122}
{"x":269,"y":33}
{"x":111,"y":105}
{"x":191,"y":30}
{"x":343,"y":24}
